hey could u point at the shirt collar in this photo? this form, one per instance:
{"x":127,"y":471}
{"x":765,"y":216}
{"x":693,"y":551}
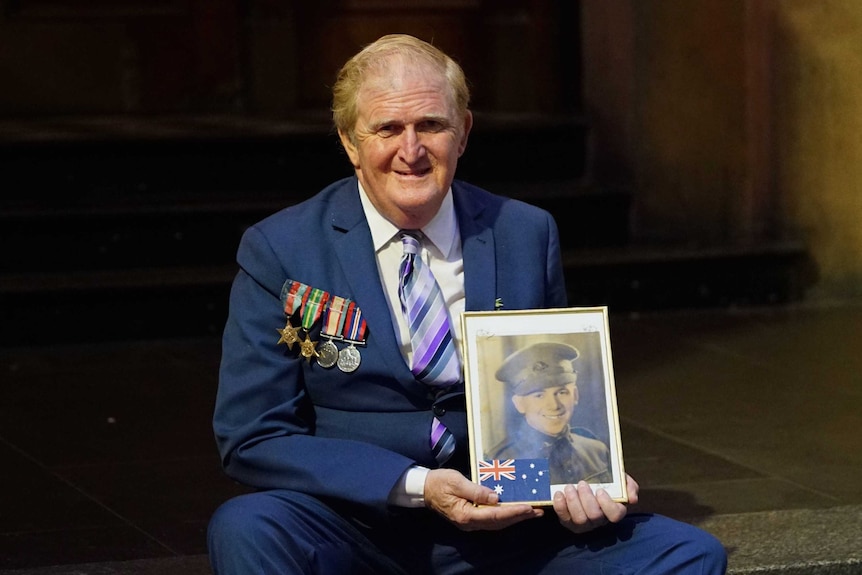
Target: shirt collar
{"x":440,"y":231}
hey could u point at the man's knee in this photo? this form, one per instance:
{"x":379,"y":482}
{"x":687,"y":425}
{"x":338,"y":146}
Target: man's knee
{"x":236,"y":530}
{"x":234,"y":518}
{"x":664,"y":545}
{"x":712,"y":553}
{"x":250,"y":534}
{"x":285,"y":532}
{"x":696,"y":551}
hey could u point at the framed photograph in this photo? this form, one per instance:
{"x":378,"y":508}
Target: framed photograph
{"x":541,"y":402}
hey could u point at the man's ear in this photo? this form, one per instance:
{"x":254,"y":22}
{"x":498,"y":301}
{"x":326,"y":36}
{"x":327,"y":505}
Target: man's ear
{"x":468,"y":125}
{"x":350,"y":148}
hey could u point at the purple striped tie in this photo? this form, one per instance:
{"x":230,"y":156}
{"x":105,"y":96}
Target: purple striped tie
{"x":435,"y":361}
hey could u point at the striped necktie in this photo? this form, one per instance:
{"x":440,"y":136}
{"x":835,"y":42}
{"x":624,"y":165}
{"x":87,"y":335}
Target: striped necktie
{"x":435,"y":361}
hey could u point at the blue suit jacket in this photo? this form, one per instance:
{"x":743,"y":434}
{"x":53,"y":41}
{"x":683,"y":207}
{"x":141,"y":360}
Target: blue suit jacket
{"x":283,"y":422}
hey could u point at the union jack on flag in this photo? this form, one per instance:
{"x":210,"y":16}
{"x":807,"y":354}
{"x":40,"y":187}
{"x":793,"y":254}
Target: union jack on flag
{"x":496,"y":469}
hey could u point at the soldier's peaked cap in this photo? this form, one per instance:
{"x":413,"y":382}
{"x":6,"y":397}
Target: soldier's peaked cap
{"x":538,"y":366}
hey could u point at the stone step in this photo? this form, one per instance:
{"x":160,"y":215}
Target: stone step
{"x":122,"y":235}
{"x":163,"y":302}
{"x":99,"y":306}
{"x":187,"y":565}
{"x":68,"y":162}
{"x":638,"y":277}
{"x":125,"y":237}
{"x":791,"y":542}
{"x":124,"y":192}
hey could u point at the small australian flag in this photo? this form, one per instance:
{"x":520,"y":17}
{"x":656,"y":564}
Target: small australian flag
{"x":517,"y":479}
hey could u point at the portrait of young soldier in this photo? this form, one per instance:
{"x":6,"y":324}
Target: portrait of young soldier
{"x":542,"y":384}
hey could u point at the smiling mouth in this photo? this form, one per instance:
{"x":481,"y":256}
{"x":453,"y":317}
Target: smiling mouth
{"x":414,"y":173}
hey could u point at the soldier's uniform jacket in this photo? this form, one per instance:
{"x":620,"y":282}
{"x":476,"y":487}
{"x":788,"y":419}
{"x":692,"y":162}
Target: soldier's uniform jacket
{"x":571,"y":456}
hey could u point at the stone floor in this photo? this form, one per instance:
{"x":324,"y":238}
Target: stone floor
{"x":745,"y":421}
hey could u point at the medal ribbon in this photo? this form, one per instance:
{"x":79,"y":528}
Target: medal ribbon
{"x":314,"y":305}
{"x":296,"y":298}
{"x":333,"y":322}
{"x":355,"y":329}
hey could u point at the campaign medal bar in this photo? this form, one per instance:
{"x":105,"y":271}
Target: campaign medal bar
{"x":354,"y":332}
{"x":333,"y":324}
{"x":292,"y":302}
{"x":310,"y":314}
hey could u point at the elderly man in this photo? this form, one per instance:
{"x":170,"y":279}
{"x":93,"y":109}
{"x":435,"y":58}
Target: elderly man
{"x":340,"y":395}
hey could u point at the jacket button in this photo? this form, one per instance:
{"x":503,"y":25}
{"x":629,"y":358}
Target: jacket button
{"x":439,"y":410}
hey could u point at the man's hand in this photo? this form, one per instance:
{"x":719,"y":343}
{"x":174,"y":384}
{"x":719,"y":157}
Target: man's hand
{"x":579,"y":510}
{"x":453,"y":496}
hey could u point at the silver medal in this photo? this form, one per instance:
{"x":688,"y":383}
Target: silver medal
{"x":327,"y":354}
{"x":348,"y":359}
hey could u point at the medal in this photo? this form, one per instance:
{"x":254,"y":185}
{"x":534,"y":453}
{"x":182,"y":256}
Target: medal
{"x":307,"y":348}
{"x":311,"y":312}
{"x":333,"y":324}
{"x":293,"y":297}
{"x":327,"y":354}
{"x":288,"y":335}
{"x":349,"y":357}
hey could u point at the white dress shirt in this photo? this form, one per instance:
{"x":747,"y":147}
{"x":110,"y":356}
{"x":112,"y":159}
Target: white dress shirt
{"x":441,"y":250}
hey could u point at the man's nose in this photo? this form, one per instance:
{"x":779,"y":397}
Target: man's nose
{"x":412,"y":148}
{"x":552,"y":402}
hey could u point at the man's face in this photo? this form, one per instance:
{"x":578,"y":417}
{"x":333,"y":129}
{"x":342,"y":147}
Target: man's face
{"x":548,"y":410}
{"x":408,"y":138}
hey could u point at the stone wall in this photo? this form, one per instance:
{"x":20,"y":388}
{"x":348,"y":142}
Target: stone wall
{"x":734,"y":122}
{"x":817,"y":96}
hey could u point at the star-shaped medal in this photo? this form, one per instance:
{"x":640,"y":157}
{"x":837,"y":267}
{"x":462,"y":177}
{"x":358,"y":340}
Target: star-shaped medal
{"x":288,"y":335}
{"x":308,"y":348}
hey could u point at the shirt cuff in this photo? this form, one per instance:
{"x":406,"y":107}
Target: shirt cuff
{"x":409,"y":491}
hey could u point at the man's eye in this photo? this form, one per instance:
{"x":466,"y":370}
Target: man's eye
{"x":387,"y":130}
{"x":431,"y":126}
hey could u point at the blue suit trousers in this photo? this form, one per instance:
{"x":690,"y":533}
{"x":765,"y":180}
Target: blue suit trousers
{"x":280,"y":532}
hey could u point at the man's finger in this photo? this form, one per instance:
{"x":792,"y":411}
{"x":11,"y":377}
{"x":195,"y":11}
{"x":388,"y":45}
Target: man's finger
{"x":589,"y":503}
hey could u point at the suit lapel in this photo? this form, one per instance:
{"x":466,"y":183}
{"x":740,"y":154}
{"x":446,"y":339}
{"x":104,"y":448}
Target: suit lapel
{"x":477,"y":245}
{"x":354,"y":248}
